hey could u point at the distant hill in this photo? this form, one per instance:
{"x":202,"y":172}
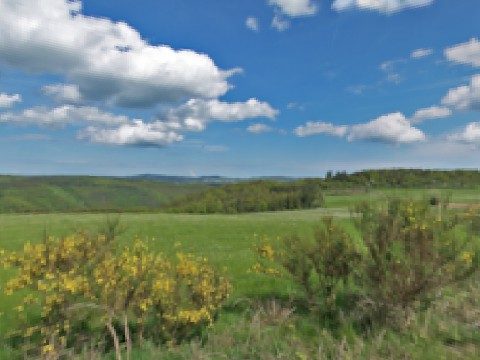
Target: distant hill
{"x":150,"y":192}
{"x":84,"y":193}
{"x":207,"y":180}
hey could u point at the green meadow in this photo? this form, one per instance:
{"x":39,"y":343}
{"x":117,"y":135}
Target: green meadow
{"x":260,"y":321}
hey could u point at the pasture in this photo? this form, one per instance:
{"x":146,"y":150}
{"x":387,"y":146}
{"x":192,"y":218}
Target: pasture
{"x":228,"y":242}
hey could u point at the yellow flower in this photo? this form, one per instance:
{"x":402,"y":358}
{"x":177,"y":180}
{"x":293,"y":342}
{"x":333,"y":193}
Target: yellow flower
{"x":467,"y":257}
{"x":47,"y":349}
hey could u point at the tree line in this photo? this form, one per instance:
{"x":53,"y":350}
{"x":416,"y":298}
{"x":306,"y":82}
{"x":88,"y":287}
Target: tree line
{"x":406,"y":178}
{"x":252,"y":196}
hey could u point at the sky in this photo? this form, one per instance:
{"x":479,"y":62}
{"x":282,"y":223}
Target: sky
{"x":239,"y":88}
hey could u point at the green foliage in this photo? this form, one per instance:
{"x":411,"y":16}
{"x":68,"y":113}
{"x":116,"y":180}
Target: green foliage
{"x":252,"y":196}
{"x":319,"y":265}
{"x":403,"y":178}
{"x":412,"y":249}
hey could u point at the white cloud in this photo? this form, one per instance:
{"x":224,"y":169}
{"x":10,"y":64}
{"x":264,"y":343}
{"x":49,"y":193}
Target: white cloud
{"x":433,"y":112}
{"x":136,"y":133}
{"x":7,"y":101}
{"x":466,"y":97}
{"x":312,"y":128}
{"x":279,"y":23}
{"x":196,"y":113}
{"x":470,"y":134}
{"x":109,"y":128}
{"x":63,"y":93}
{"x":106,"y":60}
{"x":390,"y":128}
{"x":465,"y":53}
{"x":259,"y":129}
{"x":383,"y":6}
{"x":420,"y":53}
{"x":252,"y":23}
{"x":63,"y":115}
{"x":294,"y":8}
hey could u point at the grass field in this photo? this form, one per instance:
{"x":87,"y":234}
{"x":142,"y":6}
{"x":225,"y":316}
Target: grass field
{"x":227,"y":241}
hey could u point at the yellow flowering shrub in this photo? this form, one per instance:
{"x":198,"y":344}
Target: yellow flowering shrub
{"x":77,"y":282}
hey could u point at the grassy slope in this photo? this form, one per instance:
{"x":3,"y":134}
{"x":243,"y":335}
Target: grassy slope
{"x":73,"y":194}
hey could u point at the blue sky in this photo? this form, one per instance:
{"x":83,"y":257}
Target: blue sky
{"x":238,"y":87}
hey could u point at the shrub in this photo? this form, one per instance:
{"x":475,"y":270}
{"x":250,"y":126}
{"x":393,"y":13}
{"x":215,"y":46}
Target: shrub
{"x":412,"y":250}
{"x":319,"y":265}
{"x":82,"y":287}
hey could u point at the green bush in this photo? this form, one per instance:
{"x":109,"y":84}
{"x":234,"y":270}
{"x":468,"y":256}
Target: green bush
{"x":412,"y":250}
{"x":320,"y":265}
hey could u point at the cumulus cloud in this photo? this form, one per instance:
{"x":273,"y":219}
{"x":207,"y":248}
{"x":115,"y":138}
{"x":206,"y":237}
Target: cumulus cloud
{"x":383,"y":6}
{"x":470,"y":134}
{"x":319,"y":127}
{"x":252,"y":23}
{"x":466,"y":97}
{"x":7,"y":101}
{"x":259,"y":129}
{"x":63,"y":115}
{"x":63,"y":93}
{"x":420,"y":53}
{"x":109,"y":128}
{"x":433,"y":112}
{"x":193,"y":116}
{"x":136,"y":133}
{"x":465,"y":53}
{"x":107,"y":60}
{"x":196,"y":113}
{"x":390,"y":128}
{"x":294,"y":8}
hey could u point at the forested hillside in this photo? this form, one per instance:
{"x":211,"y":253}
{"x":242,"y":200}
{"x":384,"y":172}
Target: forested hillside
{"x":406,"y":178}
{"x":252,"y":196}
{"x":75,"y":193}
